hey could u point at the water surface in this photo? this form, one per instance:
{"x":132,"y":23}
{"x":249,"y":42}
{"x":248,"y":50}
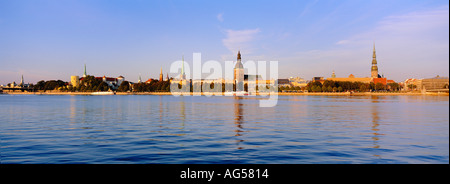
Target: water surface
{"x":197,"y":129}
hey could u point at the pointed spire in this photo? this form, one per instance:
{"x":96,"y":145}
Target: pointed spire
{"x":84,"y":74}
{"x":161,"y":75}
{"x":374,"y":52}
{"x":239,"y":55}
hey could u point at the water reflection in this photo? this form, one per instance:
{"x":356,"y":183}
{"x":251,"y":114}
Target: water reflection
{"x":238,"y":120}
{"x":182,"y":112}
{"x":375,"y":123}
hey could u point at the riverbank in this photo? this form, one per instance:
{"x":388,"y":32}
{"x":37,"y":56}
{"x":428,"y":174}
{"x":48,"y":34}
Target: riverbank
{"x":281,"y":94}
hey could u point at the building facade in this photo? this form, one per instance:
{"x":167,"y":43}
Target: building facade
{"x":239,"y":73}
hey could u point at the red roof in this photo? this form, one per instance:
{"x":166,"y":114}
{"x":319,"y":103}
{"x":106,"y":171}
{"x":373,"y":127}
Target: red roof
{"x":107,"y":78}
{"x":380,"y":80}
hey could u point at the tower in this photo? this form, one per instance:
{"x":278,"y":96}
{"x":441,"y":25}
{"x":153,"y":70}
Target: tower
{"x":84,"y":74}
{"x":239,"y":73}
{"x":333,"y":75}
{"x":161,"y":75}
{"x":183,"y":75}
{"x":374,"y":70}
{"x":21,"y":82}
{"x":139,"y":81}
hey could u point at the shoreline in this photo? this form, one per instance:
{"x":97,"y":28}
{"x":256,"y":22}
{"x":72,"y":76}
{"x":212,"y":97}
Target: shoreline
{"x":280,"y":93}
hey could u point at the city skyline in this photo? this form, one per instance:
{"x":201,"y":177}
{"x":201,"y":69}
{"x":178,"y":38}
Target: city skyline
{"x":51,"y":40}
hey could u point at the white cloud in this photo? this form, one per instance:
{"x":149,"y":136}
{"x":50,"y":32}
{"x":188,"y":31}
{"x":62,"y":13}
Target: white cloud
{"x":220,"y":17}
{"x":415,"y":44}
{"x":240,"y":40}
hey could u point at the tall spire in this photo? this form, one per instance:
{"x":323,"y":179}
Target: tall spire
{"x":183,"y":75}
{"x":161,"y":75}
{"x":374,"y":52}
{"x":139,"y":81}
{"x":374,"y":69}
{"x":21,"y":81}
{"x":239,"y":55}
{"x":84,"y":74}
{"x":238,"y":62}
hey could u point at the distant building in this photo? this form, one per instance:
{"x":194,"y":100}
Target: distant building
{"x":374,"y":69}
{"x":319,"y":79}
{"x":433,"y":84}
{"x":375,"y":77}
{"x":283,"y":83}
{"x":84,"y":73}
{"x":297,"y":81}
{"x":75,"y":80}
{"x":408,"y":83}
{"x":333,"y":75}
{"x":161,"y":76}
{"x":351,"y":78}
{"x":239,"y":73}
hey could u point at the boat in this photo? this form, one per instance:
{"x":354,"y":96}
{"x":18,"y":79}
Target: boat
{"x":103,"y":93}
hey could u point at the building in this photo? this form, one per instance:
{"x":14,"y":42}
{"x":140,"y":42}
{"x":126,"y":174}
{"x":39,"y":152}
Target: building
{"x":239,"y":73}
{"x":112,"y":82}
{"x":161,"y":76}
{"x":410,"y":84}
{"x":75,"y":80}
{"x":333,"y":75}
{"x":182,"y":75}
{"x":374,"y":68}
{"x":319,"y":79}
{"x":374,"y":75}
{"x":84,"y":74}
{"x":433,"y":84}
{"x":351,"y":78}
{"x":297,"y":81}
{"x":283,"y":83}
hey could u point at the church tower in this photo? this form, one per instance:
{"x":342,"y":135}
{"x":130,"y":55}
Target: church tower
{"x":161,"y":75}
{"x":84,"y":74}
{"x":374,"y":70}
{"x":183,"y":75}
{"x":239,"y":73}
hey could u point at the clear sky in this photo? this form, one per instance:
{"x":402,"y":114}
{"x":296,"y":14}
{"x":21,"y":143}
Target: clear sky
{"x":53,"y":39}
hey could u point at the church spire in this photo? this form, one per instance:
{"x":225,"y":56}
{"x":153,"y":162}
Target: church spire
{"x":374,"y":69}
{"x":183,"y":75}
{"x":239,"y":55}
{"x":374,"y":52}
{"x":84,"y":74}
{"x":161,"y":75}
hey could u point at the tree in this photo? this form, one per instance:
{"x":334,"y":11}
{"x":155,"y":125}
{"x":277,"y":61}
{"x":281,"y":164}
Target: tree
{"x":103,"y":87}
{"x":329,"y":89}
{"x":380,"y":86}
{"x":124,"y":86}
{"x":339,"y":89}
{"x":412,"y":86}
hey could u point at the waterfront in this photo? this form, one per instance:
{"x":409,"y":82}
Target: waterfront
{"x":198,"y":129}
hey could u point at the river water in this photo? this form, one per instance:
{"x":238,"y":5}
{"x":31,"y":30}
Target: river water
{"x":135,"y":129}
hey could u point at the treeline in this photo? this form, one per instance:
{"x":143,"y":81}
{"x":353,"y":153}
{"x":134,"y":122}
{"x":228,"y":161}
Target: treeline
{"x":153,"y":86}
{"x":49,"y":85}
{"x":338,"y":86}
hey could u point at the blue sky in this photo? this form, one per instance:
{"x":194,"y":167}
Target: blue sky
{"x":53,"y":39}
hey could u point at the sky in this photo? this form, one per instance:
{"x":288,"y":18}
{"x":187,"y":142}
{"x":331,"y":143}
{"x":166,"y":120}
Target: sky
{"x":53,"y":39}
